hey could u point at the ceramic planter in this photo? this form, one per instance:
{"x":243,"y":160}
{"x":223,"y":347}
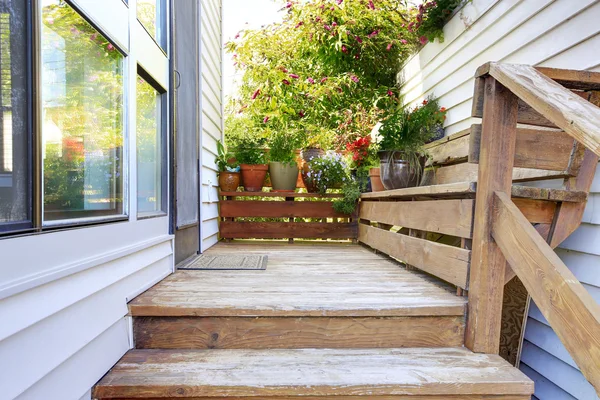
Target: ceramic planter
{"x":310,"y":185}
{"x":309,"y":154}
{"x":283,"y":176}
{"x":254,"y":176}
{"x":229,"y":181}
{"x":376,"y":184}
{"x":397,"y":172}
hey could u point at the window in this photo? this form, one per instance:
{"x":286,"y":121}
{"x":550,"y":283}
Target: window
{"x":82,"y":92}
{"x":151,"y":148}
{"x":15,"y":127}
{"x":153,"y":16}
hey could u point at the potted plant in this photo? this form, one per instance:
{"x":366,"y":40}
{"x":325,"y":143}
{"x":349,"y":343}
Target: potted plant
{"x":283,"y":166}
{"x":315,"y":143}
{"x":402,"y":135}
{"x":329,"y":171}
{"x":253,"y":165}
{"x":364,"y":158}
{"x":229,"y":170}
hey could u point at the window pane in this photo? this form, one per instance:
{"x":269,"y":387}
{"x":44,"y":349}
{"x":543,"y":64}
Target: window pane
{"x":149,"y":144}
{"x":15,"y":203}
{"x":152,"y":14}
{"x":82,"y":112}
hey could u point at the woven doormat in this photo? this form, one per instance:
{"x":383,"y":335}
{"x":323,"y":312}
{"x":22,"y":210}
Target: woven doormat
{"x":226,"y":262}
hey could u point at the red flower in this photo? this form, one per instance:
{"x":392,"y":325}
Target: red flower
{"x":294,"y":76}
{"x":358,"y":39}
{"x":285,"y":82}
{"x":390,"y":93}
{"x":371,"y":5}
{"x":344,"y":49}
{"x":443,"y":109}
{"x":324,"y":80}
{"x":425,"y":102}
{"x":265,"y":120}
{"x":256,"y":93}
{"x":389,"y":46}
{"x":301,"y":114}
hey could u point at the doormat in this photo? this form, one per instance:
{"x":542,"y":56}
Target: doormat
{"x":226,"y":262}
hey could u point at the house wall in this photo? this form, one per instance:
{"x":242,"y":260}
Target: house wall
{"x":550,"y":33}
{"x":212,"y":117}
{"x":64,"y":294}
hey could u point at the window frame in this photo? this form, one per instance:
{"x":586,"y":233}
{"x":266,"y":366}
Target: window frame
{"x":162,"y":41}
{"x":164,"y":145}
{"x":28,"y":225}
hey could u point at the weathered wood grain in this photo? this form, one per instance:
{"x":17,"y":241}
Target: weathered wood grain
{"x":393,"y":397}
{"x":468,"y":172}
{"x":486,"y":278}
{"x":311,"y":372}
{"x":279,"y":209}
{"x":452,"y":217}
{"x":463,"y":188}
{"x":537,"y":211}
{"x":535,"y":148}
{"x":576,"y":116}
{"x":571,"y":311}
{"x":573,"y":79}
{"x":297,"y":333}
{"x":450,"y":149}
{"x":283,"y":230}
{"x":446,"y":262}
{"x":534,"y":193}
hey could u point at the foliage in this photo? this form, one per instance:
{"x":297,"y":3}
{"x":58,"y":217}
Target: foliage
{"x":347,"y":204}
{"x":224,"y":160}
{"x":362,"y":152}
{"x":282,"y":147}
{"x":251,"y":152}
{"x":327,"y":70}
{"x":431,"y":16}
{"x":327,"y":171}
{"x":408,"y":130}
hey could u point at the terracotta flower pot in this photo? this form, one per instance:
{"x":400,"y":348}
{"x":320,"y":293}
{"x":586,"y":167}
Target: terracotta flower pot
{"x":229,"y":181}
{"x":254,"y":176}
{"x":376,"y":184}
{"x":283,"y":176}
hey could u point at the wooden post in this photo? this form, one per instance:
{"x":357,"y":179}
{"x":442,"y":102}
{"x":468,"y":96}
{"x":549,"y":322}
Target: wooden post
{"x":290,"y":240}
{"x":486,"y":282}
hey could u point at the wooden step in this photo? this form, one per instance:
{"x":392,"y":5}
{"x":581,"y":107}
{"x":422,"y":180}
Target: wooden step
{"x":297,"y":332}
{"x":432,"y":374}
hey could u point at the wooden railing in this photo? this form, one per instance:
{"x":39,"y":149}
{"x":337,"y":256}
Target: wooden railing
{"x":502,"y":233}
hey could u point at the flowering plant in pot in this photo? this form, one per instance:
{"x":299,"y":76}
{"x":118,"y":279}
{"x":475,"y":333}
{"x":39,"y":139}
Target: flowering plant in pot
{"x":329,"y":171}
{"x":364,"y":159}
{"x":253,"y":164}
{"x":402,"y":135}
{"x":229,"y":169}
{"x":283,"y":166}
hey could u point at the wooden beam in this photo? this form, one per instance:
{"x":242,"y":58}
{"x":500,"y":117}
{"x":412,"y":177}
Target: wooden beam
{"x":284,"y":230}
{"x":571,"y":196}
{"x":576,"y":116}
{"x":537,"y":211}
{"x":446,"y":262}
{"x":535,"y":148}
{"x":467,"y":172}
{"x":571,"y":311}
{"x":573,"y":79}
{"x":450,"y":149}
{"x":454,"y":189}
{"x":486,"y":281}
{"x":451,"y":217}
{"x":279,"y":209}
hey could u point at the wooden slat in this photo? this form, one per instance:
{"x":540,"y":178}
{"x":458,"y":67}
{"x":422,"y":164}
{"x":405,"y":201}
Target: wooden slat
{"x":535,"y":148}
{"x":537,"y":211}
{"x":450,"y":149}
{"x":574,"y":196}
{"x":573,"y":79}
{"x":467,"y":172}
{"x":282,"y":195}
{"x":279,"y":209}
{"x":446,"y":262}
{"x":463,"y":188}
{"x":571,"y":311}
{"x":283,"y":230}
{"x":311,"y":372}
{"x":393,"y":397}
{"x":296,"y":333}
{"x":451,"y":217}
{"x":486,"y":278}
{"x":576,"y":116}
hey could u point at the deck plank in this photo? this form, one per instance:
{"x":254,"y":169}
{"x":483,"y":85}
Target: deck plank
{"x":311,"y":372}
{"x":314,"y":280}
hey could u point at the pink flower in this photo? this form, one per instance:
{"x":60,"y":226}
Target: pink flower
{"x":373,"y":34}
{"x":94,"y":36}
{"x":340,"y":1}
{"x":310,"y":80}
{"x":301,"y":114}
{"x":288,"y":5}
{"x":294,"y":76}
{"x":327,"y":27}
{"x":389,"y":46}
{"x":371,"y":5}
{"x":318,"y":19}
{"x":332,"y":8}
{"x":299,"y":24}
{"x":50,"y":21}
{"x":265,"y":120}
{"x":357,"y":56}
{"x":390,"y":93}
{"x":284,"y":70}
{"x":324,"y":80}
{"x":354,"y":78}
{"x":285,"y":82}
{"x":334,"y":23}
{"x":344,"y":49}
{"x":403,"y":41}
{"x":75,"y":31}
{"x":256,"y":93}
{"x":110,"y":47}
{"x":423,"y":40}
{"x":237,"y":35}
{"x":358,"y":39}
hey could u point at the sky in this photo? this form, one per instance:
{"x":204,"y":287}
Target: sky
{"x":244,"y":14}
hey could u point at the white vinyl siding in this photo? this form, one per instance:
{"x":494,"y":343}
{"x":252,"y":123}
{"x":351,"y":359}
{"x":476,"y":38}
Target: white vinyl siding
{"x":549,"y":33}
{"x":212,"y":117}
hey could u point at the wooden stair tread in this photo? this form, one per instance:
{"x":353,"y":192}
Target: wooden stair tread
{"x":468,"y":189}
{"x":304,"y":281}
{"x":311,"y":372}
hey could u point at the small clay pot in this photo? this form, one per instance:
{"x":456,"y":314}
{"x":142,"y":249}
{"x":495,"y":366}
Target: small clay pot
{"x":254,"y":176}
{"x":229,"y":181}
{"x":376,"y":184}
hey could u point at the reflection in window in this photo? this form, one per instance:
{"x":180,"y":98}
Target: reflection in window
{"x":150,"y":149}
{"x":152,"y":14}
{"x":15,"y":194}
{"x":82,"y":113}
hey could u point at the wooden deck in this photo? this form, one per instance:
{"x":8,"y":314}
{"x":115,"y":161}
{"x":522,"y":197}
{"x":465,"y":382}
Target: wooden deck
{"x":301,"y":280}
